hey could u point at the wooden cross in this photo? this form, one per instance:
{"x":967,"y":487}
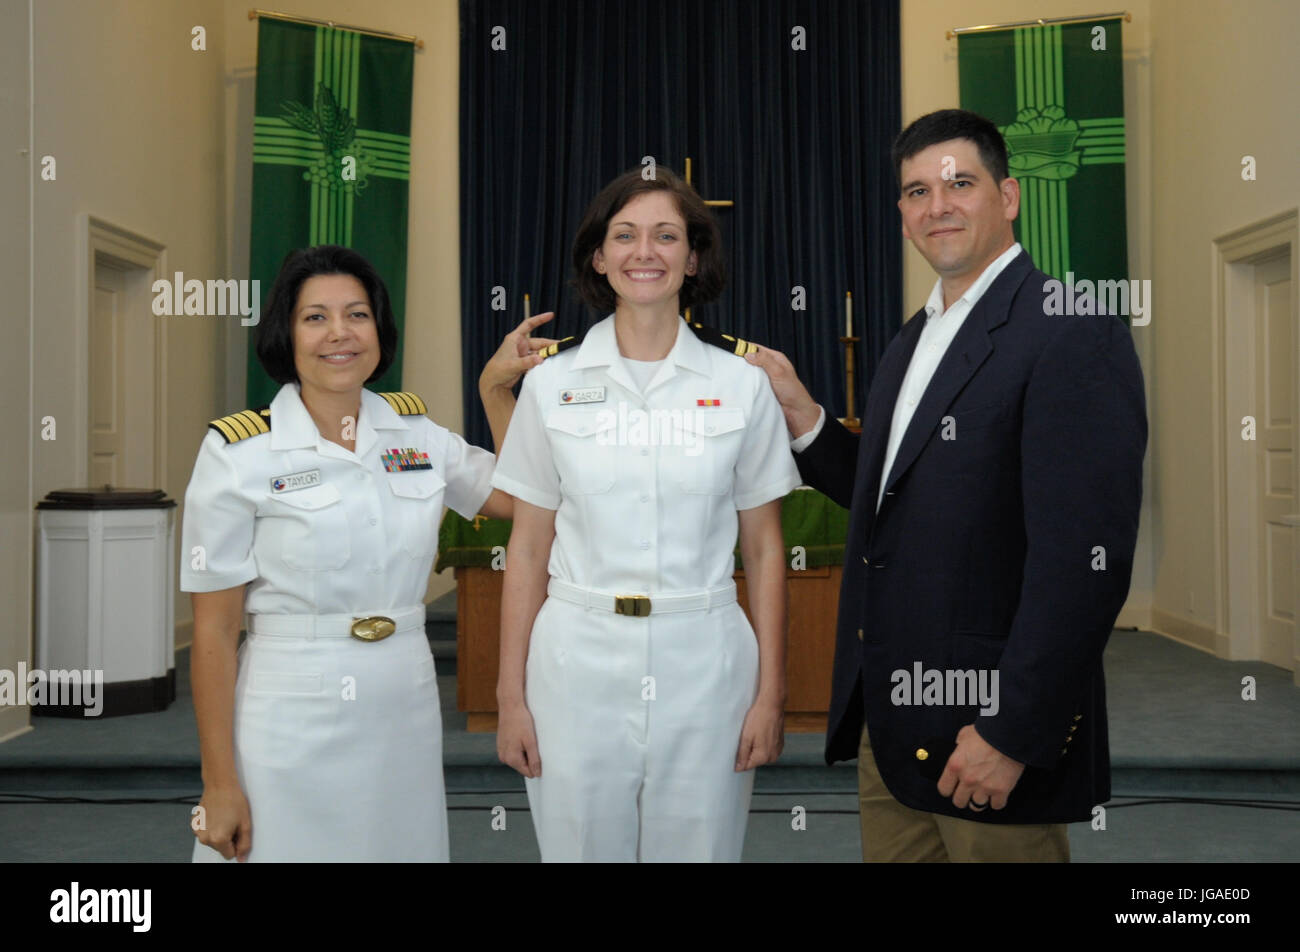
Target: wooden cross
{"x":715,"y":203}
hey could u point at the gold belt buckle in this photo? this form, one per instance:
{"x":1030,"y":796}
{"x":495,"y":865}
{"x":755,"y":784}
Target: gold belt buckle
{"x":638,"y":606}
{"x":373,"y":628}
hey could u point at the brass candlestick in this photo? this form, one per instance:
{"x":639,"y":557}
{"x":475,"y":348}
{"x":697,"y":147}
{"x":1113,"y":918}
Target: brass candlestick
{"x":851,"y":420}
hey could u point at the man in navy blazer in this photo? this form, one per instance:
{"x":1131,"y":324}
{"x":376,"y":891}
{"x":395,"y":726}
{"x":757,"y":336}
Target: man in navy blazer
{"x":994,"y":496}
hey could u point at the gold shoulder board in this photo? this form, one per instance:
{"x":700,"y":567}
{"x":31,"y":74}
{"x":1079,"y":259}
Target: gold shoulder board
{"x":560,"y":346}
{"x":406,"y":403}
{"x":711,"y":335}
{"x":242,"y":425}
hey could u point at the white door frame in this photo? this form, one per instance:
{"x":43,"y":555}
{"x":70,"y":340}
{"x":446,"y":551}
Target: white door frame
{"x":102,"y":240}
{"x":1232,"y":296}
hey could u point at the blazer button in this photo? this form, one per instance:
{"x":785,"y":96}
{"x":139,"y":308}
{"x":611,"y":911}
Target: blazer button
{"x":1063,"y":750}
{"x":1078,"y":717}
{"x":1073,"y":728}
{"x":859,"y":634}
{"x":922,"y":754}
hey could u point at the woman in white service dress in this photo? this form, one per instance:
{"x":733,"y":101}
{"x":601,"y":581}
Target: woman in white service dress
{"x":321,"y":736}
{"x":633,"y":694}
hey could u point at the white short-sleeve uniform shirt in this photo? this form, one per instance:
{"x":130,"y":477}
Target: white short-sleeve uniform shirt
{"x":338,"y":742}
{"x":317,"y":529}
{"x":646,"y":486}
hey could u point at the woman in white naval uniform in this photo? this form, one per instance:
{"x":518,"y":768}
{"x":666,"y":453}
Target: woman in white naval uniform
{"x":321,"y":738}
{"x":633,"y":694}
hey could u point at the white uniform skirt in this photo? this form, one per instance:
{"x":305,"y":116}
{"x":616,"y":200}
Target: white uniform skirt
{"x":638,"y":721}
{"x":338,"y":745}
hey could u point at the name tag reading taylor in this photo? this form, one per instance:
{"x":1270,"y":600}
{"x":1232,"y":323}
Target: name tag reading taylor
{"x":287,"y":484}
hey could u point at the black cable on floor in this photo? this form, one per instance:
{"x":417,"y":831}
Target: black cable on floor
{"x":1287,"y":806}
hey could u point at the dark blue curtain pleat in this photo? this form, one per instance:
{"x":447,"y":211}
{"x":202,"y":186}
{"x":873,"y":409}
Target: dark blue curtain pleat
{"x":798,"y":139}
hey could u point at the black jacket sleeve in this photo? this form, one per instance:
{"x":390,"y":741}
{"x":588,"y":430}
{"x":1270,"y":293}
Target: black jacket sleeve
{"x":830,"y":463}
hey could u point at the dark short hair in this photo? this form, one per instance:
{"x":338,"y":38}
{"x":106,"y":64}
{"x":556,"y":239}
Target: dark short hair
{"x":274,"y":335}
{"x":947,"y":124}
{"x":702,"y":236}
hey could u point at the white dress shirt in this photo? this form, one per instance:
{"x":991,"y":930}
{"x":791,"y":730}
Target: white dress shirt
{"x":355,"y":537}
{"x":646,"y":482}
{"x":938,"y":332}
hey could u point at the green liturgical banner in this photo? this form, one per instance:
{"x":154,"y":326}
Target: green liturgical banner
{"x":331,"y":159}
{"x":1057,"y":95}
{"x":814,"y":527}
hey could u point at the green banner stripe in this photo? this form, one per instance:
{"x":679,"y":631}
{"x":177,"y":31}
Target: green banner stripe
{"x":372,"y":136}
{"x":1053,"y":230}
{"x":314,"y":150}
{"x":384,"y":149}
{"x":1019,"y":41}
{"x":1040,"y":68}
{"x":1096,"y":142}
{"x":1089,"y":123}
{"x":275,"y":138}
{"x":282,"y":128}
{"x":284,"y":156}
{"x":278,"y":122}
{"x":1102,"y":160}
{"x":386,"y":152}
{"x":1059,"y":62}
{"x":1064,"y":195}
{"x":1107,"y":150}
{"x":277,"y":160}
{"x":293,"y":142}
{"x":293,"y":145}
{"x":390,"y":158}
{"x":354,"y":88}
{"x":1044,"y":222}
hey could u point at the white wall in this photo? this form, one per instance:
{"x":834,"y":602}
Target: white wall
{"x":133,"y":117}
{"x":1224,"y":76}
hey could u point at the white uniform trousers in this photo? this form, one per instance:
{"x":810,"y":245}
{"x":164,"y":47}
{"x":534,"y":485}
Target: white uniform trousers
{"x":338,"y":746}
{"x":638,"y":721}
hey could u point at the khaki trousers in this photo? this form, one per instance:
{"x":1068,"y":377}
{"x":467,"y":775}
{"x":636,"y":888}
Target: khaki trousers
{"x":894,"y":833}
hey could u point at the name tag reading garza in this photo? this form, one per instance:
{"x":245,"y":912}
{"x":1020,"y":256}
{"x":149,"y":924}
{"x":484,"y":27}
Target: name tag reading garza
{"x":585,"y":395}
{"x":287,"y":484}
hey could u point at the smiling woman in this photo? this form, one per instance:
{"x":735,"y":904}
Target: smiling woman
{"x":633,"y":695}
{"x":318,"y":517}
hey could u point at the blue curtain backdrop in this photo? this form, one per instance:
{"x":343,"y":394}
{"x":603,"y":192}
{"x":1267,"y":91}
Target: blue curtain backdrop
{"x":799,"y":139}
